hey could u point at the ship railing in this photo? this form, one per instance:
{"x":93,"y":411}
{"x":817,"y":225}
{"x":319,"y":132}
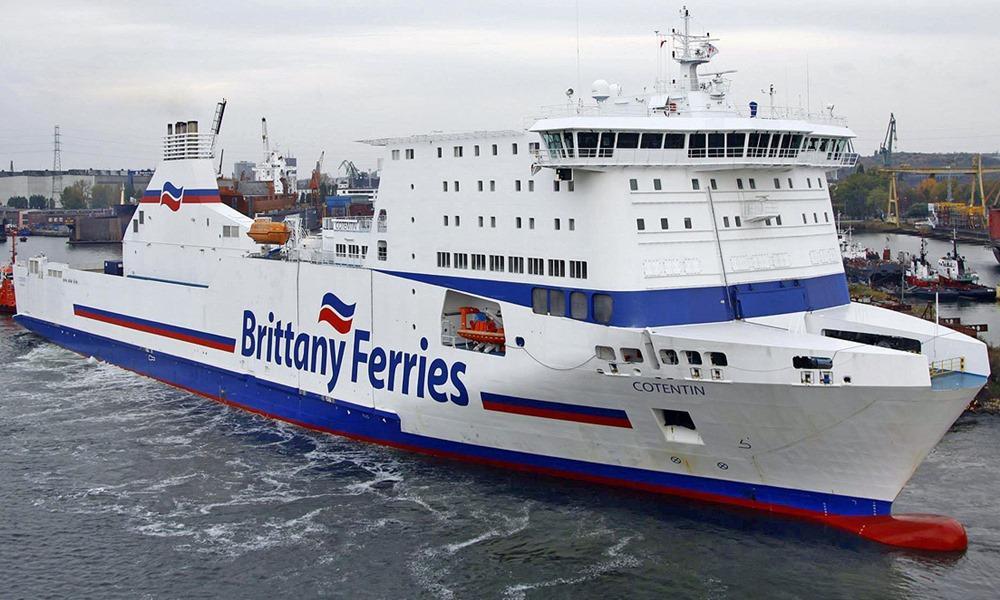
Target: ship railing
{"x":183,"y":146}
{"x":610,"y":109}
{"x":947,"y":365}
{"x":736,"y":157}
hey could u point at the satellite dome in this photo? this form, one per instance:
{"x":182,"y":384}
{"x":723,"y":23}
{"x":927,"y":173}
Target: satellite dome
{"x":600,"y":90}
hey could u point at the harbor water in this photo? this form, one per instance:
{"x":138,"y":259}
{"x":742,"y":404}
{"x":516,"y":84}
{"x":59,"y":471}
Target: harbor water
{"x":117,"y":486}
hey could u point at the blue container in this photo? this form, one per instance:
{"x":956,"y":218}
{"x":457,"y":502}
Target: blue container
{"x":113,"y":267}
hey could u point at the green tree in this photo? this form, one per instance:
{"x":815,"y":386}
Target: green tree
{"x":103,"y":196}
{"x":862,"y":194}
{"x":75,"y":196}
{"x":918,"y":211}
{"x":17,"y":202}
{"x":38,"y":202}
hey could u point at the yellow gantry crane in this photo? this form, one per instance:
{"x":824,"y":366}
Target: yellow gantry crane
{"x":977,"y":201}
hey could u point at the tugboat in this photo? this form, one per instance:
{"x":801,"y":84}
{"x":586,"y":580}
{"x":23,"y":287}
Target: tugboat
{"x":952,"y":280}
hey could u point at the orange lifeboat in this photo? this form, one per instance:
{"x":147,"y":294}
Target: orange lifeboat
{"x":8,"y":304}
{"x":477,"y":326}
{"x":264,"y":231}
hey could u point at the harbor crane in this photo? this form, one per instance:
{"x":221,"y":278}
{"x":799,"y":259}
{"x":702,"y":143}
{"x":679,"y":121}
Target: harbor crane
{"x":977,"y":201}
{"x":317,"y":176}
{"x":263,"y":137}
{"x":885,"y":150}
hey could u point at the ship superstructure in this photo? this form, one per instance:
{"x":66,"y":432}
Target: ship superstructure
{"x":643,"y":292}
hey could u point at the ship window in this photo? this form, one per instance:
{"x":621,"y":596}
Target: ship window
{"x":631,"y":355}
{"x":493,"y":222}
{"x":572,"y":224}
{"x":341,"y":250}
{"x":695,"y":184}
{"x":652,"y":141}
{"x":628,"y":140}
{"x":444,"y":186}
{"x":557,"y":268}
{"x":790,"y":186}
{"x":531,"y":222}
{"x":557,"y":303}
{"x":669,"y":357}
{"x":805,"y":221}
{"x":812,"y":362}
{"x":383,"y":250}
{"x":875,"y":339}
{"x":664,"y":223}
{"x":674,"y":141}
{"x":539,"y":300}
{"x":409,"y":154}
{"x":578,"y":269}
{"x":712,"y":184}
{"x":444,"y":259}
{"x":533,"y":147}
{"x":395,"y":155}
{"x":718,"y":359}
{"x":135,"y":226}
{"x":478,"y":262}
{"x":603,"y":308}
{"x":633,"y":184}
{"x":531,"y":185}
{"x":693,"y":357}
{"x":696,"y":145}
{"x":475,"y":150}
{"x":716,"y":144}
{"x":456,"y":186}
{"x":493,"y":185}
{"x":513,"y":148}
{"x":826,"y":217}
{"x":809,"y":182}
{"x":739,"y":183}
{"x":495,"y":150}
{"x":604,"y":352}
{"x":607,"y":144}
{"x":777,"y":183}
{"x":515,"y":264}
{"x":753,"y":183}
{"x":517,"y":185}
{"x":772,"y":148}
{"x":479,"y":185}
{"x":640,"y":224}
{"x":458,"y":221}
{"x":737,"y":220}
{"x":496,"y":263}
{"x":819,"y":182}
{"x":578,"y":305}
{"x":734,"y":144}
{"x":461,"y":260}
{"x":777,"y":220}
{"x":815,"y":218}
{"x":142,"y":216}
{"x":480,"y":221}
{"x":556,"y":224}
{"x":687,"y":222}
{"x":535,"y":266}
{"x":517,"y":222}
{"x":587,"y":142}
{"x":555,"y":185}
{"x":725,"y":221}
{"x":767,"y":221}
{"x":230,"y":231}
{"x":458,"y":151}
{"x":440,"y":154}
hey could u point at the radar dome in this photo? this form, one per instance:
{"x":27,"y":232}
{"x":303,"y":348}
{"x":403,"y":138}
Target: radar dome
{"x":600,"y":90}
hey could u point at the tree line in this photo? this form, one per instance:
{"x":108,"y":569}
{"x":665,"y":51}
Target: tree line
{"x":78,"y":195}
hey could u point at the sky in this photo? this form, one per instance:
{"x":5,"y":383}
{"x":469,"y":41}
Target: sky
{"x":112,"y":73}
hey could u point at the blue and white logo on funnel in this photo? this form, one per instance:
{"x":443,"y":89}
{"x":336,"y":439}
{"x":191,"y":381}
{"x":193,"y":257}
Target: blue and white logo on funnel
{"x":171,"y":196}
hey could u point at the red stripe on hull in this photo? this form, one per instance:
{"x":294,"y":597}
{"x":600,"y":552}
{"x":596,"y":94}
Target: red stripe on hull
{"x":557,"y":414}
{"x":155,"y":331}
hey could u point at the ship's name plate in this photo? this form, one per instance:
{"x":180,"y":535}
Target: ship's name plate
{"x":670,"y":267}
{"x":760,"y":262}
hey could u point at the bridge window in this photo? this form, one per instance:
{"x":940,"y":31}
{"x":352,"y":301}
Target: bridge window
{"x":480,"y":220}
{"x":587,"y":142}
{"x":603,"y":308}
{"x":716,"y":145}
{"x":734,"y":144}
{"x":805,"y":221}
{"x":819,"y":182}
{"x":826,"y":216}
{"x":628,"y":140}
{"x":777,"y":220}
{"x":409,"y":154}
{"x":395,"y":155}
{"x":568,"y":140}
{"x":652,"y":141}
{"x":607,"y":144}
{"x":696,"y":145}
{"x":673,"y":141}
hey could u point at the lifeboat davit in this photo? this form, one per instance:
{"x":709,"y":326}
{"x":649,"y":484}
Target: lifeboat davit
{"x":477,"y":326}
{"x":265,"y":231}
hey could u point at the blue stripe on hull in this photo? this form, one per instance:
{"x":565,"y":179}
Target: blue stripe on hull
{"x":314,"y":411}
{"x":684,"y":306}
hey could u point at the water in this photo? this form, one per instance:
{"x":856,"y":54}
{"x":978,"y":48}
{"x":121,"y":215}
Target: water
{"x":980,"y":259}
{"x":116,"y":486}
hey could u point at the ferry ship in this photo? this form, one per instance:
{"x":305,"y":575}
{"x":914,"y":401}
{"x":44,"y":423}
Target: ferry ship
{"x":644,"y":292}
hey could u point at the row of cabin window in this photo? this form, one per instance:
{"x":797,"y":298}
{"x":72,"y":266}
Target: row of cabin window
{"x":518,"y":187}
{"x":518,"y":222}
{"x":588,"y":144}
{"x":351,"y":251}
{"x":667,"y":357}
{"x":409,"y":154}
{"x":459,"y":151}
{"x":583,"y":306}
{"x":514,"y":264}
{"x":633,"y":184}
{"x":640,"y":224}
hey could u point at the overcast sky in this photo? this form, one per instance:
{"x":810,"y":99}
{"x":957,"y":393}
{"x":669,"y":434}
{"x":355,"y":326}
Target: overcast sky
{"x":324,"y":73}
